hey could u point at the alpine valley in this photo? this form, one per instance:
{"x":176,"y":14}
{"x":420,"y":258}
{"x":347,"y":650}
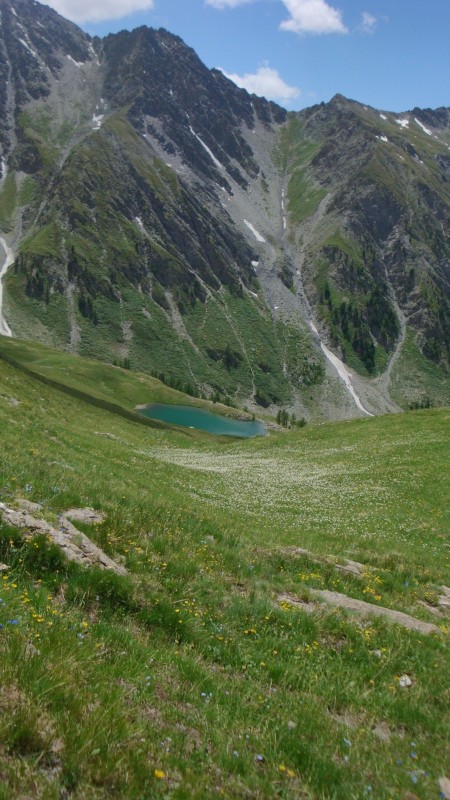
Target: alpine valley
{"x":154,"y":215}
{"x":188,"y":616}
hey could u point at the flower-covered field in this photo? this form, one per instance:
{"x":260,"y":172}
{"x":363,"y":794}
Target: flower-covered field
{"x":189,"y":677}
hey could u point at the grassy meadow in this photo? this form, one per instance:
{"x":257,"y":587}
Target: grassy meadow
{"x":187,"y":678}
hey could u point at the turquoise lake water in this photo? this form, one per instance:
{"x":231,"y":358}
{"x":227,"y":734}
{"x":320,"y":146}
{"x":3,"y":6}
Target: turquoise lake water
{"x":190,"y":417}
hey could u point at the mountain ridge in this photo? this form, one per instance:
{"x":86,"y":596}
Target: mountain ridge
{"x":162,"y":216}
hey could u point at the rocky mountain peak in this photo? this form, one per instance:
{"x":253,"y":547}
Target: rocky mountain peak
{"x":35,"y":43}
{"x":189,"y":108}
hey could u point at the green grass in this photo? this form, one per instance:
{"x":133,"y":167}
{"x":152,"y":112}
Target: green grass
{"x":8,"y":201}
{"x":174,"y":680}
{"x":416,"y":379}
{"x":46,"y":242}
{"x":99,"y":381}
{"x":303,"y":199}
{"x":28,"y":191}
{"x":293,"y":155}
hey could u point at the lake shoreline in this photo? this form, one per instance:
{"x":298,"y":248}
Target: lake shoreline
{"x":199,"y":418}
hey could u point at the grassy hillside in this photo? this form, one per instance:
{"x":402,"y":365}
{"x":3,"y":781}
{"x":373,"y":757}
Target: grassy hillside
{"x":377,"y":242}
{"x":98,"y":381}
{"x":188,"y":678}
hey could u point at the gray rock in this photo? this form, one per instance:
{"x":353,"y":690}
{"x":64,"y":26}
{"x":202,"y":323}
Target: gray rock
{"x":75,"y":545}
{"x":87,"y":515}
{"x":28,"y":505}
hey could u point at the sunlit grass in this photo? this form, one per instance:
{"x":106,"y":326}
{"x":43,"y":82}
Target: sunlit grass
{"x":186,"y":678}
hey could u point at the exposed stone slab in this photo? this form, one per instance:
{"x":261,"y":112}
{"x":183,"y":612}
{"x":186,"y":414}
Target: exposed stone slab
{"x":444,"y":786}
{"x":27,"y":505}
{"x":352,"y":567}
{"x":444,"y":599}
{"x":75,"y":545}
{"x":87,"y":515}
{"x":360,"y":607}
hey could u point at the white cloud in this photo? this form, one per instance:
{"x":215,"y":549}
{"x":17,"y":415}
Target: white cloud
{"x":94,"y":10}
{"x":306,"y":16}
{"x":265,"y":82}
{"x":368,"y":22}
{"x":312,"y":16}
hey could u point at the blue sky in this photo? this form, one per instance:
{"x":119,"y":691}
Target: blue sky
{"x":391,"y":54}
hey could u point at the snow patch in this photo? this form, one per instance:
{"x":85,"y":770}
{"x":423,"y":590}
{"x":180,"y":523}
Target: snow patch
{"x":210,"y":153}
{"x":5,"y":330}
{"x":97,"y":121}
{"x":4,"y":170}
{"x":253,"y":293}
{"x":383,"y":116}
{"x":140,"y":224}
{"x":30,"y":49}
{"x":425,"y":130}
{"x":342,"y":371}
{"x":77,"y":63}
{"x":256,"y":234}
{"x":283,"y":209}
{"x":14,"y":11}
{"x":255,"y":264}
{"x":402,"y":122}
{"x":383,"y":138}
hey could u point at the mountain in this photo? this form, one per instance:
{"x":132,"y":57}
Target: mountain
{"x":162,"y":218}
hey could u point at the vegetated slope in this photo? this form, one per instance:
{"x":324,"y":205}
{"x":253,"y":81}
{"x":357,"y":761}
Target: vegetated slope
{"x":110,"y":387}
{"x":186,"y":678}
{"x":369,"y":203}
{"x":153,"y":227}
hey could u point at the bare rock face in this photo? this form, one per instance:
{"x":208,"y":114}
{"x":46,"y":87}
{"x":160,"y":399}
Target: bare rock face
{"x":86,"y":515}
{"x":75,"y":545}
{"x":35,"y":41}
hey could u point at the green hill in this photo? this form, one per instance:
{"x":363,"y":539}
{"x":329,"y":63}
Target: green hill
{"x":193,"y":676}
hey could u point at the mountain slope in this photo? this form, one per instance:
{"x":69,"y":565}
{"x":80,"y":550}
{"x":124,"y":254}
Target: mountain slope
{"x":162,"y":217}
{"x":384,"y":237}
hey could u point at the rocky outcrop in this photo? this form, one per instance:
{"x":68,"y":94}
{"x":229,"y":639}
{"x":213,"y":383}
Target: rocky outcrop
{"x":75,"y":545}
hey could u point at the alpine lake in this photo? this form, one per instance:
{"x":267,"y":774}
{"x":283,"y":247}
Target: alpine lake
{"x":191,"y":417}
